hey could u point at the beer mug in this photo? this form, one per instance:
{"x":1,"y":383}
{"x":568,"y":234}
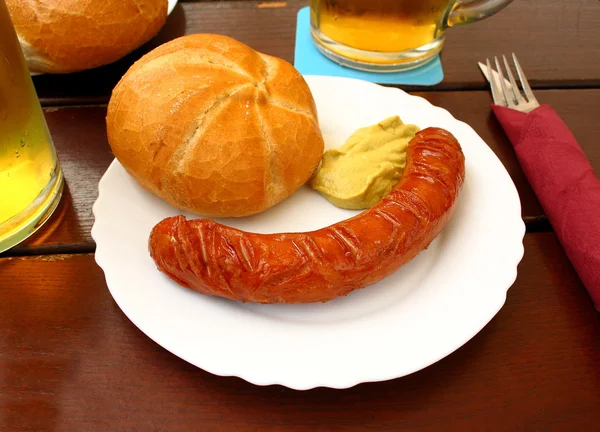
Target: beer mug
{"x":390,"y":35}
{"x":31,"y":180}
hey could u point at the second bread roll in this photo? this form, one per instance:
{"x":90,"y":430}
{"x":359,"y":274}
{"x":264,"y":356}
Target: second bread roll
{"x":73,"y":35}
{"x":214,"y":127}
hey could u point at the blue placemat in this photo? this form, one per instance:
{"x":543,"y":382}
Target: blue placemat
{"x":309,"y":61}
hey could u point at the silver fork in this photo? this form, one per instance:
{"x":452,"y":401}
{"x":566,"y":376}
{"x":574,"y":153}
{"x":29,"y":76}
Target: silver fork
{"x":510,"y":96}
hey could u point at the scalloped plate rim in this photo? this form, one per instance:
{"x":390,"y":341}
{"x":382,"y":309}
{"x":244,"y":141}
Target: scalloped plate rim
{"x":515,"y":229}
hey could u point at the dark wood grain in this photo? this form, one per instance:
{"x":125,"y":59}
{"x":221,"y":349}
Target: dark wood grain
{"x":557,"y":42}
{"x":80,"y":138}
{"x":70,"y":360}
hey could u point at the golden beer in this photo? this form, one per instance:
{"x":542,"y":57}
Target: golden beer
{"x":389,"y":35}
{"x":380,"y":25}
{"x":31,"y":179}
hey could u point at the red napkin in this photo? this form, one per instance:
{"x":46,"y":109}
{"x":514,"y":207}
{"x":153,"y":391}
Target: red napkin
{"x":564,"y":182}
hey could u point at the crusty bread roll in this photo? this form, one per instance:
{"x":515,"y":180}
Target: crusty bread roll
{"x":62,"y":36}
{"x":214,"y":127}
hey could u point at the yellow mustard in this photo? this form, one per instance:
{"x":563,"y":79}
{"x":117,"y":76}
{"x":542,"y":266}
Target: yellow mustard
{"x":364,"y":170}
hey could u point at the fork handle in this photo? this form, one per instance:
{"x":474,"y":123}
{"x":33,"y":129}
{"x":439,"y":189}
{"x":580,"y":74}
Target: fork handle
{"x":564,"y":182}
{"x":465,"y":12}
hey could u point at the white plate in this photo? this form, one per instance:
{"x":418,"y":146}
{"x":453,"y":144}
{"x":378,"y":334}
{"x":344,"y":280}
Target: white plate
{"x":423,"y":312}
{"x":170,"y":8}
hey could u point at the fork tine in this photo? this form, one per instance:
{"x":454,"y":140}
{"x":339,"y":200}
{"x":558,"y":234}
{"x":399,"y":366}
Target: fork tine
{"x":513,"y":84}
{"x":494,"y":85}
{"x":523,"y":79}
{"x":509,"y":100}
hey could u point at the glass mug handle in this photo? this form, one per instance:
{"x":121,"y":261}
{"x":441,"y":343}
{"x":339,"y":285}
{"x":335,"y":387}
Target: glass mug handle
{"x":465,"y":12}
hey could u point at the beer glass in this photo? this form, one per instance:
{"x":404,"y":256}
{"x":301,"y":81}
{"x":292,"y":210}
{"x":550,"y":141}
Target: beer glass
{"x":390,"y":35}
{"x":31,"y":180}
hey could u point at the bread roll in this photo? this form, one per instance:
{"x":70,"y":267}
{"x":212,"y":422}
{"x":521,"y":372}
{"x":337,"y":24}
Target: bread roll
{"x":62,"y":36}
{"x":214,"y":127}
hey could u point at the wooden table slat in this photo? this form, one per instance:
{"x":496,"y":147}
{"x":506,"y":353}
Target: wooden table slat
{"x":80,"y":138}
{"x":557,"y":43}
{"x":71,"y":360}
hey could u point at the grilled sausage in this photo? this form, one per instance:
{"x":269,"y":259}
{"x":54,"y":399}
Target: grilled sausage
{"x":318,"y":266}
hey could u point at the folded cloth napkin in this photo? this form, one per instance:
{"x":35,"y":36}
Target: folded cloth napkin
{"x":564,"y":182}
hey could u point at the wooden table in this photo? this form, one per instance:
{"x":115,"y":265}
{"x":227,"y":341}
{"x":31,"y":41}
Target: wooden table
{"x":70,"y":359}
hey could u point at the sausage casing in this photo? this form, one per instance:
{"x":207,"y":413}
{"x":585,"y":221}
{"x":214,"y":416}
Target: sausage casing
{"x":320,"y":265}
